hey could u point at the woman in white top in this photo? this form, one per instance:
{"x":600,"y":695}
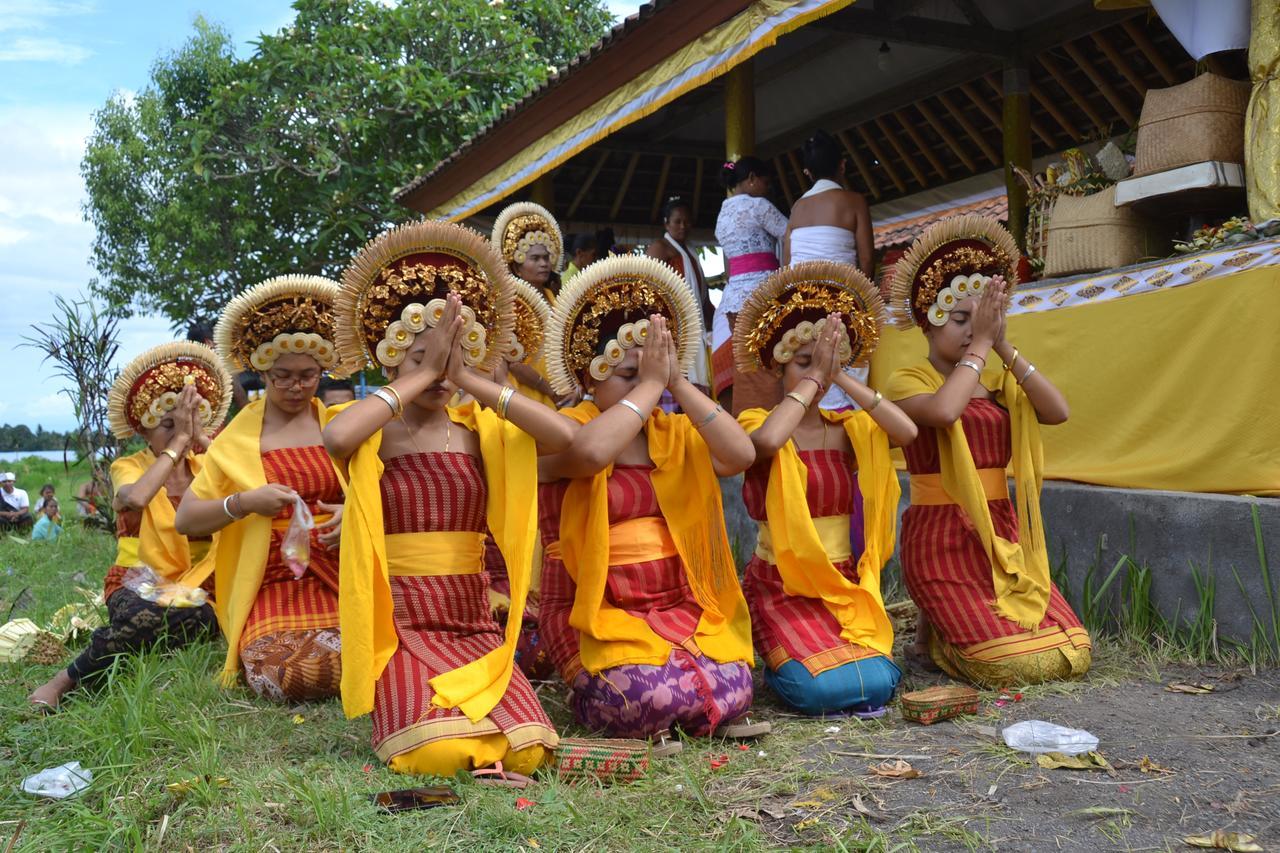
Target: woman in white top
{"x":748,"y":230}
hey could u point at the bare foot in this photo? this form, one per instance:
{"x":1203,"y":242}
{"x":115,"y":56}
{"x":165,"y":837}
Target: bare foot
{"x":47,"y":695}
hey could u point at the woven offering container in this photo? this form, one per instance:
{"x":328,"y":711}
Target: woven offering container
{"x":934,"y":704}
{"x":47,"y":650}
{"x":1089,"y":233}
{"x":1195,"y":122}
{"x":610,"y":761}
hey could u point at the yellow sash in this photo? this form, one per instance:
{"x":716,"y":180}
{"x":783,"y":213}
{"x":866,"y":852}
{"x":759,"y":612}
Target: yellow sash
{"x":367,"y":555}
{"x":804,"y":548}
{"x":1019,"y":570}
{"x":927,"y":489}
{"x":833,"y":533}
{"x":158,"y":543}
{"x":540,"y":365}
{"x":689,"y":497}
{"x":233,"y":463}
{"x":435,"y":554}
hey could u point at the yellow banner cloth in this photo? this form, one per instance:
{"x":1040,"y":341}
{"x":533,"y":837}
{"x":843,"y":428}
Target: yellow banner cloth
{"x":804,"y":562}
{"x":1262,"y":119}
{"x":364,"y":567}
{"x":689,"y":496}
{"x":1137,"y":421}
{"x":158,"y":543}
{"x":1019,"y":570}
{"x":233,"y":463}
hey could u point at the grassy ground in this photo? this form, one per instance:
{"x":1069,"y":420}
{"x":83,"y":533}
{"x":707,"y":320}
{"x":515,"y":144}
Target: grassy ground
{"x":300,"y":777}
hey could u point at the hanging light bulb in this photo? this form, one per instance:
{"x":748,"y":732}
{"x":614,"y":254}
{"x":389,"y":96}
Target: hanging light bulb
{"x":884,"y":59}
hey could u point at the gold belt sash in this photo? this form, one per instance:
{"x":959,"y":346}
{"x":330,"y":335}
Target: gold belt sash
{"x":435,"y":554}
{"x":926,"y":489}
{"x":833,"y":532}
{"x":127,"y":548}
{"x":636,"y":540}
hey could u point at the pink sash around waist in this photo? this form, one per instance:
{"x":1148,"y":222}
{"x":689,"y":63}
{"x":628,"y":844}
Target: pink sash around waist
{"x":753,"y":262}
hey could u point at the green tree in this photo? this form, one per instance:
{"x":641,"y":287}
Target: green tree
{"x":223,"y":172}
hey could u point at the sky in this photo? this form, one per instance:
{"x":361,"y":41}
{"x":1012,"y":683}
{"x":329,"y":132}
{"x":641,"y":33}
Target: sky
{"x":60,"y":60}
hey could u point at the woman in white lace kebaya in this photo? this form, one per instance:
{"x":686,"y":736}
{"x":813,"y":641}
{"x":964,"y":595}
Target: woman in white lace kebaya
{"x":748,"y":230}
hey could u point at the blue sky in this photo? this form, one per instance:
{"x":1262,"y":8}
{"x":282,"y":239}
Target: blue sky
{"x":59,"y":61}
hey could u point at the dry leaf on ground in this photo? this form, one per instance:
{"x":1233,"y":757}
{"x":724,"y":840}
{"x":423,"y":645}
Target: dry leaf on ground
{"x":1083,"y":761}
{"x":895,"y":770}
{"x":1219,"y":840}
{"x":1195,"y":688}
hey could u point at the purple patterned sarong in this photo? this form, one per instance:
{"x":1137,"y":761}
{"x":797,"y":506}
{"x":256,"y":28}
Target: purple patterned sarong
{"x":690,"y":692}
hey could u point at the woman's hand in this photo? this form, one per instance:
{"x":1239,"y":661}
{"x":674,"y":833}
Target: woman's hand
{"x":673,"y":356}
{"x":443,"y":337}
{"x":267,"y":500}
{"x":655,"y":355}
{"x":825,"y":363}
{"x":186,"y":419}
{"x":329,"y":532}
{"x":998,"y":280}
{"x":988,"y":317}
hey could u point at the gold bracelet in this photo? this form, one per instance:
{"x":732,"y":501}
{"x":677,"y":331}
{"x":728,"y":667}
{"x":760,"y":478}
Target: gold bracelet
{"x":801,"y":400}
{"x":504,"y":400}
{"x":874,"y":402}
{"x":172,"y":454}
{"x":399,"y":400}
{"x":1013,"y":360}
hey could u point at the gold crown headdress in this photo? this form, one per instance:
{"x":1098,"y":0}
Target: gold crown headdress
{"x":395,"y":287}
{"x":790,"y":308}
{"x":522,"y":225}
{"x":288,"y":314}
{"x":148,"y":387}
{"x":951,"y":261}
{"x":611,"y":301}
{"x":533,"y":316}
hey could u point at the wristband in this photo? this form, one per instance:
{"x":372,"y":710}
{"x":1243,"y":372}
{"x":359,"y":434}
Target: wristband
{"x":633,"y":407}
{"x":227,"y":510}
{"x":172,"y":454}
{"x":711,"y":416}
{"x":874,"y":402}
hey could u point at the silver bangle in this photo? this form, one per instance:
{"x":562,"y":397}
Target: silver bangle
{"x":1031,"y":368}
{"x":964,"y":362}
{"x":711,"y":416}
{"x":227,"y":509}
{"x":633,"y":407}
{"x":384,"y":396}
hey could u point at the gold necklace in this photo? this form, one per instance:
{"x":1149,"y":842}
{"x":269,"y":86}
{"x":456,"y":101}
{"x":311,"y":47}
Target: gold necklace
{"x":414,"y":437}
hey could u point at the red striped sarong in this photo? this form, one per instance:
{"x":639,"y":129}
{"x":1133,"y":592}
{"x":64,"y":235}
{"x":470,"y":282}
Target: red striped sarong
{"x":442,"y":622}
{"x":791,"y":627}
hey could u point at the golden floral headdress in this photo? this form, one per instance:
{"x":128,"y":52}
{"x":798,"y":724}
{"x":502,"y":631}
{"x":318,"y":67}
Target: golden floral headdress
{"x":611,"y":301}
{"x":148,"y":387}
{"x":395,"y":287}
{"x":533,"y":315}
{"x":282,"y":315}
{"x":525,"y":224}
{"x":952,"y":260}
{"x":790,"y":308}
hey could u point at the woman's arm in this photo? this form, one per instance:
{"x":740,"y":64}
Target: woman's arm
{"x":136,"y":495}
{"x":1049,"y":402}
{"x":770,"y":218}
{"x":781,"y":424}
{"x":900,"y":428}
{"x":864,"y":237}
{"x":731,"y":450}
{"x":552,"y":432}
{"x":199,"y":517}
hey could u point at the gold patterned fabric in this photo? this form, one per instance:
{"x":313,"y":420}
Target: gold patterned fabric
{"x":1262,"y":120}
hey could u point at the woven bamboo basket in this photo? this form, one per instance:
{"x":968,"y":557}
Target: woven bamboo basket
{"x":1089,"y":233}
{"x":1197,"y":121}
{"x":935,"y":704}
{"x":604,"y":760}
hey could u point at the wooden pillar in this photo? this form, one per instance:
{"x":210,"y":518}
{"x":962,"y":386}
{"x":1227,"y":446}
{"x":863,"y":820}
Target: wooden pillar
{"x":740,"y":111}
{"x":542,"y":192}
{"x":1017,"y":144}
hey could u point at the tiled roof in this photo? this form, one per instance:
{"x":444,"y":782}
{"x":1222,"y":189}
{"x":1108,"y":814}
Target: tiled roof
{"x":900,"y":232}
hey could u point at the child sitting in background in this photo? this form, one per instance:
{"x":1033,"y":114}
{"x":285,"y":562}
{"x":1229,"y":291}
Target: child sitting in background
{"x":46,"y":493}
{"x":47,"y":526}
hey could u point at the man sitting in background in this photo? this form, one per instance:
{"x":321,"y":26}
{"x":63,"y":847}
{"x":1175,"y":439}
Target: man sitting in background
{"x":15,"y":506}
{"x":334,"y":391}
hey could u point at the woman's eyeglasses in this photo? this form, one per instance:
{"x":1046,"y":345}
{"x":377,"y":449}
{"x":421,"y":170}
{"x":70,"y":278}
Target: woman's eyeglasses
{"x":285,"y":381}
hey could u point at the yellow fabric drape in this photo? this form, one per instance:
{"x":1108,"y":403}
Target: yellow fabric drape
{"x":233,"y":463}
{"x":833,"y":533}
{"x":689,"y":497}
{"x":803,"y":563}
{"x":1261,"y":133}
{"x":1136,"y":421}
{"x":364,"y":599}
{"x":435,"y":554}
{"x":540,"y":365}
{"x":1019,"y":570}
{"x":158,"y":543}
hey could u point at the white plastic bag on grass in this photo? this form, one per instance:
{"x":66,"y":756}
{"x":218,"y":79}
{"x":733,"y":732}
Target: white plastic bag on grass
{"x":58,"y":782}
{"x":1037,"y":736}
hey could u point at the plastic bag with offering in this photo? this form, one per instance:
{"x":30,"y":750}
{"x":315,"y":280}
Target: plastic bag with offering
{"x":147,"y":585}
{"x":295,"y":549}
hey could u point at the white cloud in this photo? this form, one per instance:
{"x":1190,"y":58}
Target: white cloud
{"x":40,"y":49}
{"x":35,"y":14}
{"x":48,"y":407}
{"x":10,"y":235}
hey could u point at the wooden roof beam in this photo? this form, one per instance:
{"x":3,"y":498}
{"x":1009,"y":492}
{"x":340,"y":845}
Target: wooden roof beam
{"x":907,"y":157}
{"x":883,"y":161}
{"x":1121,"y":64}
{"x":622,"y":187}
{"x":926,"y":32}
{"x":947,"y":136}
{"x":1050,"y":65}
{"x":859,"y":162}
{"x":972,"y":13}
{"x":1139,"y":37}
{"x":586,"y":185}
{"x":661,"y":188}
{"x":963,"y":120}
{"x":797,"y":170}
{"x":925,"y":148}
{"x":1102,"y":84}
{"x":782,"y":181}
{"x":1036,"y":127}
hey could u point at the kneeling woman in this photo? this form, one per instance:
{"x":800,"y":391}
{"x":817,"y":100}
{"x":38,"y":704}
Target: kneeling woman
{"x":977,"y":568}
{"x":280,"y":628}
{"x":641,"y":607}
{"x":817,"y":616}
{"x":421,"y":650}
{"x":171,"y":396}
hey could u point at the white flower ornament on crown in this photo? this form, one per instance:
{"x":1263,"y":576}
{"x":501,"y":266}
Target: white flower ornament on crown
{"x":416,"y":317}
{"x":961,"y":287}
{"x":299,"y":343}
{"x":630,"y":336}
{"x":168,"y":401}
{"x":804,"y":332}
